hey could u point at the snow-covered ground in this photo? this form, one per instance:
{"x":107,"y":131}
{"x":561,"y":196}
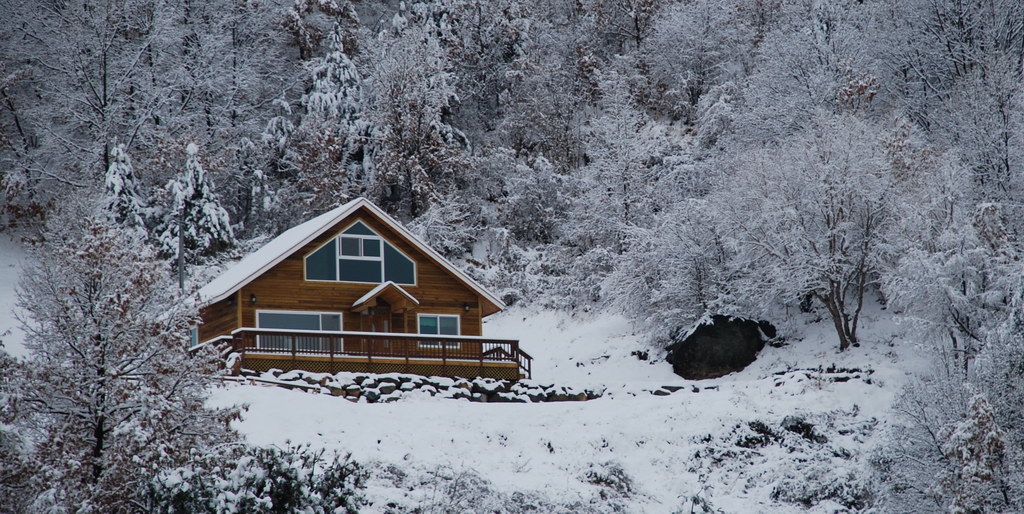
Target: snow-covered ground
{"x":11,"y":254}
{"x":628,"y":451}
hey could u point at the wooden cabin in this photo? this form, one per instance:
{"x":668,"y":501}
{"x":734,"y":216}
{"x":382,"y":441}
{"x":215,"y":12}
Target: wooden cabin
{"x":354,"y":290}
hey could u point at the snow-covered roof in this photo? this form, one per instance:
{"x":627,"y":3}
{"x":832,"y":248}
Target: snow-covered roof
{"x":278,"y":249}
{"x":377,"y":290}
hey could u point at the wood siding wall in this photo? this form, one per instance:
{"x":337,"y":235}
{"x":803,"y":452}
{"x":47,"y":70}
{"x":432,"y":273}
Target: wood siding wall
{"x":219,"y":318}
{"x":284,"y":287}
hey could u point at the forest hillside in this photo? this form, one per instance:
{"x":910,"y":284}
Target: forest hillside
{"x":850,"y":170}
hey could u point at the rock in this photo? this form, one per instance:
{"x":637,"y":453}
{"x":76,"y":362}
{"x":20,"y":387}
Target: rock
{"x":672,"y":389}
{"x":354,"y":391}
{"x":442,"y":382}
{"x":799,"y":425}
{"x":717,"y":346}
{"x":479,"y":397}
{"x":536,"y":395}
{"x":464,"y":384}
{"x":660,"y":392}
{"x":387,"y":379}
{"x":457,"y":393}
{"x":559,"y":396}
{"x":371,"y":395}
{"x":387,"y":388}
{"x":408,"y":386}
{"x":335,"y":390}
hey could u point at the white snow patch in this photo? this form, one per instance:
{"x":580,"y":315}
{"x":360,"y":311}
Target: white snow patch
{"x":11,"y":256}
{"x":548,"y":448}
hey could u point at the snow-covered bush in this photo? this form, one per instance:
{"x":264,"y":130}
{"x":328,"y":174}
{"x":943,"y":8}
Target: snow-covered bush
{"x":260,"y":480}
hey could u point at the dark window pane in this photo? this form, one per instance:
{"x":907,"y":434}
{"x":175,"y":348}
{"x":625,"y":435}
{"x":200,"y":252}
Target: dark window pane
{"x":397,"y":268}
{"x":449,"y":325}
{"x":350,"y":246}
{"x":321,"y":264}
{"x":360,"y":271}
{"x":360,"y":229}
{"x":330,"y":322}
{"x":371,"y":248}
{"x":293,"y":321}
{"x":428,"y":324}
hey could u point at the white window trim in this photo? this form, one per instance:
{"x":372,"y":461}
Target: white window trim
{"x":362,"y":238}
{"x":341,"y":320}
{"x":338,"y":256}
{"x":458,"y":327}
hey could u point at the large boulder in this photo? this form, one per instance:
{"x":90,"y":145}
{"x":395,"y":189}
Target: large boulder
{"x":717,"y":346}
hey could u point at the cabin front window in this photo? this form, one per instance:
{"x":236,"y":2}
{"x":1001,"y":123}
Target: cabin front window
{"x":360,"y":255}
{"x":299,"y":322}
{"x":439,"y":324}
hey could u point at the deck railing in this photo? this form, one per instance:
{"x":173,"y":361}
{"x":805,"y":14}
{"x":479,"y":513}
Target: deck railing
{"x":387,"y":345}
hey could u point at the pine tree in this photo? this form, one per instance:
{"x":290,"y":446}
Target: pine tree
{"x":110,"y":393}
{"x":196,"y":209}
{"x":124,"y":200}
{"x":331,"y":140}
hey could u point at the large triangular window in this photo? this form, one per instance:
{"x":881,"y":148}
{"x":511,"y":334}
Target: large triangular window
{"x":359,"y":254}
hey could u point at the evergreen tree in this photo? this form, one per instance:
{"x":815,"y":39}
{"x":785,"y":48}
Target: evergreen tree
{"x":195,"y":210}
{"x":124,"y":200}
{"x":331,"y":141}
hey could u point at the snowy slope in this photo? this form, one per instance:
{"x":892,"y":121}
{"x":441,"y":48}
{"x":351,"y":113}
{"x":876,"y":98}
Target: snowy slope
{"x":561,"y":455}
{"x":11,"y":254}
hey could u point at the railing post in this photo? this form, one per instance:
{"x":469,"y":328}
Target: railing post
{"x":405,"y":347}
{"x":444,"y":358}
{"x":481,"y":372}
{"x":293,"y":350}
{"x":369,"y":354}
{"x":330,"y":350}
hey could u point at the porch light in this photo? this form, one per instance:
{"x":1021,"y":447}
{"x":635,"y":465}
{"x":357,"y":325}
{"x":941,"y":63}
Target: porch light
{"x":252,"y":298}
{"x":465,"y":306}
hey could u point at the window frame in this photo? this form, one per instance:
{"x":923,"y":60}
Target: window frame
{"x":318,"y":314}
{"x":338,"y":257}
{"x":454,"y":345}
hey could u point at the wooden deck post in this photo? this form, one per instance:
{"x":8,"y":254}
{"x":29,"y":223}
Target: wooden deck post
{"x":405,"y":347}
{"x":444,"y":358}
{"x":330,"y":350}
{"x":369,"y":355}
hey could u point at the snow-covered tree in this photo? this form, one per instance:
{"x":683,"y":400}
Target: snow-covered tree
{"x":418,"y":154}
{"x":124,"y":200}
{"x":110,"y":393}
{"x":332,"y":157}
{"x":195,"y":209}
{"x":675,"y":271}
{"x":807,"y":219}
{"x":975,"y":449}
{"x":619,"y":185}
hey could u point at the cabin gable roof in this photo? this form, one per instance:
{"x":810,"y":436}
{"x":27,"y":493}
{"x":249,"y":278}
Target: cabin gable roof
{"x":296,"y":238}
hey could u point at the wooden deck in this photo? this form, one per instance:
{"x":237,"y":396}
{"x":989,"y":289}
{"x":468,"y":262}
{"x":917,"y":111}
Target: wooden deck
{"x":379,"y":352}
